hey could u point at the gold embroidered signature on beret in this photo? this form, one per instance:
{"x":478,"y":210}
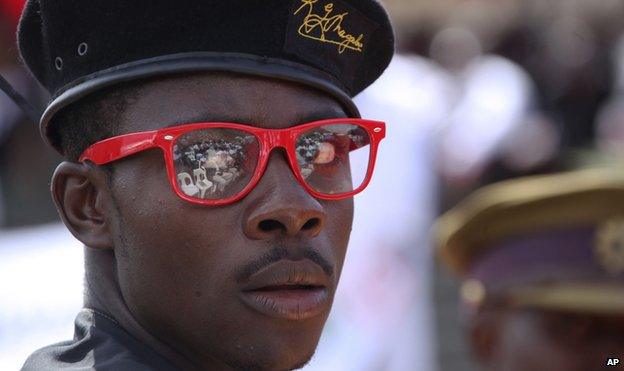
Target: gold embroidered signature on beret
{"x":328,"y":27}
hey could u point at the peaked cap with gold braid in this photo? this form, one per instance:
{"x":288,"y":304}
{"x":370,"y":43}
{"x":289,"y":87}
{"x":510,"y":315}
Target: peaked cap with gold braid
{"x":554,"y":241}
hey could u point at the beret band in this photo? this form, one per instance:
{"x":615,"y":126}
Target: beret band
{"x":195,"y":62}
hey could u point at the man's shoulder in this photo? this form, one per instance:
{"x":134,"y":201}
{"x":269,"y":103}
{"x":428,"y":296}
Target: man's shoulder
{"x":99,"y":344}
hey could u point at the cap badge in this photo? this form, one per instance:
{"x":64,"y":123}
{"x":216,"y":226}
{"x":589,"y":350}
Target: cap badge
{"x":609,"y":248}
{"x":328,"y":27}
{"x":473,"y":293}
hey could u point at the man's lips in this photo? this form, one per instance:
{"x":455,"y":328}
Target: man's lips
{"x":293,"y":290}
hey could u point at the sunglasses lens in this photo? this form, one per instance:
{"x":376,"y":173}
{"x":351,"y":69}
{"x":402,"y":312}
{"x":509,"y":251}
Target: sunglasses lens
{"x":213,"y":164}
{"x":333,"y":159}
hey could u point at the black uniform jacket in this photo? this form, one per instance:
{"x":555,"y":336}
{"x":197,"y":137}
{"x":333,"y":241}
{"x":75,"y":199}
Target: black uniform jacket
{"x":99,"y":344}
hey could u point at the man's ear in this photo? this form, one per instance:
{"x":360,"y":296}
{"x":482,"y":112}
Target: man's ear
{"x":483,"y":331}
{"x":84,"y":203}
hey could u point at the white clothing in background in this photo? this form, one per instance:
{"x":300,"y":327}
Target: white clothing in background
{"x":382,"y":316}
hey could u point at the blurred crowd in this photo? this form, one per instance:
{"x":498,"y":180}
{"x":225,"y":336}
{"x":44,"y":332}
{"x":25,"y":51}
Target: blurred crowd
{"x":482,"y":91}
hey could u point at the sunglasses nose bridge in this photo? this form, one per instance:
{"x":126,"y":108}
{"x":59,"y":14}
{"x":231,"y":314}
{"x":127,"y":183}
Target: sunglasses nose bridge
{"x":280,"y":139}
{"x":277,"y":139}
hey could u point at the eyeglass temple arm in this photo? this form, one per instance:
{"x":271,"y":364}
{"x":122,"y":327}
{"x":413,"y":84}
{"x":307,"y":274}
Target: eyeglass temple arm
{"x":31,"y":112}
{"x":118,"y":147}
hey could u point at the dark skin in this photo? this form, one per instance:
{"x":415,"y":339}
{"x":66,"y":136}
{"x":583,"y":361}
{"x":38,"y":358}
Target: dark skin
{"x":517,"y":339}
{"x":176,"y":262}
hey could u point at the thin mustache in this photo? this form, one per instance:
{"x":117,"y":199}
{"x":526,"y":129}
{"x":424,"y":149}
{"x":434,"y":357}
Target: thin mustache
{"x":282,"y":253}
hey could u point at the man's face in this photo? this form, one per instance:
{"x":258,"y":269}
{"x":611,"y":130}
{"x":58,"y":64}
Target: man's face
{"x":249,"y":284}
{"x":555,"y":341}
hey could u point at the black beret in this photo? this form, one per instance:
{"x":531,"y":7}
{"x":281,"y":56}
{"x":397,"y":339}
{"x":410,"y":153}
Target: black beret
{"x":77,"y":47}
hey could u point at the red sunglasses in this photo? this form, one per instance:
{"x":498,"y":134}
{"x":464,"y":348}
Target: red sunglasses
{"x":220,"y":163}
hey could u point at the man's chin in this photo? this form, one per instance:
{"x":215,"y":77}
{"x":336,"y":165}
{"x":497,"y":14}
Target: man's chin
{"x":276,"y":350}
{"x":261,"y":363}
{"x":304,"y":361}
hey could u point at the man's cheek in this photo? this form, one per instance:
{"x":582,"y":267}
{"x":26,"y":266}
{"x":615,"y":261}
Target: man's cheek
{"x":143,"y":177}
{"x":340,"y":221}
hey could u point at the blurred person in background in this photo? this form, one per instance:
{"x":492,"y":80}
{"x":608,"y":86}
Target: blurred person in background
{"x":556,"y":53}
{"x":236,"y":267}
{"x":542,"y":264}
{"x":493,"y":118}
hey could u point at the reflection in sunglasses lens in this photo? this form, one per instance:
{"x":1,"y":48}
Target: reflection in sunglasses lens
{"x":214,"y":164}
{"x":333,"y":159}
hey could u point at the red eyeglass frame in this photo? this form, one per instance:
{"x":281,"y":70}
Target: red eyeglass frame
{"x":118,"y":147}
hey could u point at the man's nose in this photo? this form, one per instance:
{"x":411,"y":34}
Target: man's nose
{"x":281,"y":207}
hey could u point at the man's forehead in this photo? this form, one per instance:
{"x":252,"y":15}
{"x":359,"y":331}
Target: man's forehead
{"x":225,"y":97}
